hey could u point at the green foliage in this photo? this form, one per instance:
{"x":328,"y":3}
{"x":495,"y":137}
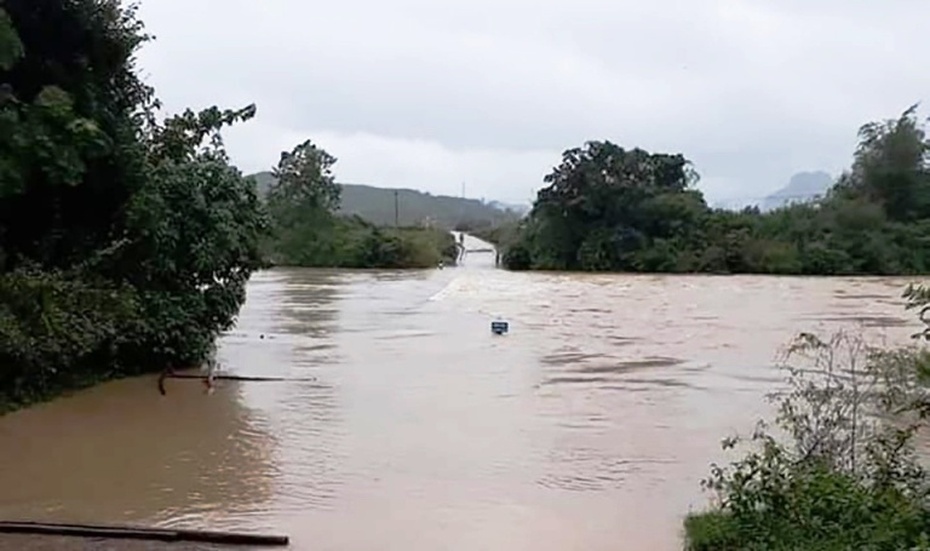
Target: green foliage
{"x":610,"y":209}
{"x":425,"y":247}
{"x":331,"y":241}
{"x":58,"y":331}
{"x":500,"y":235}
{"x":303,"y":181}
{"x":197,"y":226}
{"x":303,"y":201}
{"x":507,"y":239}
{"x":125,"y":243}
{"x":840,"y":471}
{"x":11,"y":48}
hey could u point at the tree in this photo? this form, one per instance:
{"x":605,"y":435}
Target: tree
{"x":602,"y":203}
{"x":304,"y":180}
{"x":203,"y":217}
{"x":891,"y":166}
{"x":301,"y":201}
{"x":125,"y":242}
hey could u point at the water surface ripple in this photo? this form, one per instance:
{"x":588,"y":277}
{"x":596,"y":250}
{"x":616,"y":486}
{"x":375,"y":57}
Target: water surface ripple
{"x":588,"y":427}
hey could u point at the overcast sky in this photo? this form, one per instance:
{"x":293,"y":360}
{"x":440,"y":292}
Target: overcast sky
{"x":428,"y":94}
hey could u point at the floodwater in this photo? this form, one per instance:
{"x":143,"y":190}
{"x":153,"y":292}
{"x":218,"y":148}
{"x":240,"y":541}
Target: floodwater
{"x":409,"y":426}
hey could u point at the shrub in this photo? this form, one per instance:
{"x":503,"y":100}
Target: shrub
{"x":838,"y":469}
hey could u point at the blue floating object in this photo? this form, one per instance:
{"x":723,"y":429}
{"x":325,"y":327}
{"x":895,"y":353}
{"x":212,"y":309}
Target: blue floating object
{"x":499,"y":327}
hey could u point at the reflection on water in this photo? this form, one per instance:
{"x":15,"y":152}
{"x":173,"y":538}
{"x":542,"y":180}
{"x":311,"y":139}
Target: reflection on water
{"x":410,"y":426}
{"x":122,"y":452}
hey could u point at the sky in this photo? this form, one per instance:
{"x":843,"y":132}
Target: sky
{"x":431,"y":94}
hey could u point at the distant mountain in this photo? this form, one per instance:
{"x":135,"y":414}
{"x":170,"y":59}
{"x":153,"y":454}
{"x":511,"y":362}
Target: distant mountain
{"x":803,"y":187}
{"x":413,"y":207}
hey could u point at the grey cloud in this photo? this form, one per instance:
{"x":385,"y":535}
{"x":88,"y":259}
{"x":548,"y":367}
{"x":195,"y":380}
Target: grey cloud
{"x":751,"y":91}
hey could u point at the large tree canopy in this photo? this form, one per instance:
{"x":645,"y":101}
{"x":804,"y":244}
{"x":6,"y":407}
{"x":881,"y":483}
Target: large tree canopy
{"x":125,"y":241}
{"x":605,"y":205}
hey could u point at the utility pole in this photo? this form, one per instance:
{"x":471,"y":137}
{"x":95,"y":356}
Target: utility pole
{"x":396,"y":211}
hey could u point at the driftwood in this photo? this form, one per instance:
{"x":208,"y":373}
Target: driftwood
{"x":234,"y":377}
{"x":208,"y":379}
{"x":141,"y":533}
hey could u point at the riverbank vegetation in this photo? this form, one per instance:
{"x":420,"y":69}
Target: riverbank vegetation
{"x":838,"y":468}
{"x":606,"y":208}
{"x":127,"y":238}
{"x":126,"y":241}
{"x":303,"y":202}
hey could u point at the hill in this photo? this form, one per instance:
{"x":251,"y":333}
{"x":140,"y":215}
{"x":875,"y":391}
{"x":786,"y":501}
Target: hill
{"x":377,"y":205}
{"x":803,"y":186}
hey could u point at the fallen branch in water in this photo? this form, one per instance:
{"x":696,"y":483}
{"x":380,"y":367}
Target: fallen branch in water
{"x":141,"y":533}
{"x":170,"y":374}
{"x":236,"y":377}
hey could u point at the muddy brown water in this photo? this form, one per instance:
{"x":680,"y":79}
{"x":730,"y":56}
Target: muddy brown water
{"x":588,"y":427}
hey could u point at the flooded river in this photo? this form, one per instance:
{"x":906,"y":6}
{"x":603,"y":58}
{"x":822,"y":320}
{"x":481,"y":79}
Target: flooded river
{"x":409,"y":426}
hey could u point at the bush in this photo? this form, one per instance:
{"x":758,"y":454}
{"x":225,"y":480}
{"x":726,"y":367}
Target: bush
{"x":331,"y":241}
{"x":59,"y":331}
{"x":839,"y":470}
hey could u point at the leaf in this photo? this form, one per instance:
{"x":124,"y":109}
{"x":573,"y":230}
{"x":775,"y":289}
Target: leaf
{"x":11,"y":48}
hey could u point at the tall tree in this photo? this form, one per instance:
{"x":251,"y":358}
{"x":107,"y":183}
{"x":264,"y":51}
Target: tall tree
{"x":602,"y":201}
{"x":301,"y":202}
{"x":126,"y":241}
{"x":304,"y":180}
{"x":891,"y":166}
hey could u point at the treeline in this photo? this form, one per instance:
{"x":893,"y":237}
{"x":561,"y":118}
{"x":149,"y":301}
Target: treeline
{"x":303,"y":201}
{"x":606,"y":208}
